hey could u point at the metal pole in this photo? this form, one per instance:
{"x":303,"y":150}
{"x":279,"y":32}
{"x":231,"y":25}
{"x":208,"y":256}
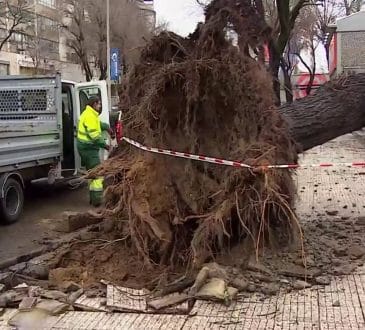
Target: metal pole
{"x":108,"y":52}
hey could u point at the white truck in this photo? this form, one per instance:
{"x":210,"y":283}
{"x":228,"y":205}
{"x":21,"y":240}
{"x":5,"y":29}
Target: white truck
{"x":38,"y":121}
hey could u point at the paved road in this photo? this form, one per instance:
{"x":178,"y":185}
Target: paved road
{"x":43,"y":206}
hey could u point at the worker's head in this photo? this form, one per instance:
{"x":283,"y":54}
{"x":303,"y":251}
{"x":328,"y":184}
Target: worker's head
{"x":95,"y":103}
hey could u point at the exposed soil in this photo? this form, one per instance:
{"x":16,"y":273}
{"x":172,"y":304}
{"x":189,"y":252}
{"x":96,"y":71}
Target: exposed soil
{"x":333,"y":246}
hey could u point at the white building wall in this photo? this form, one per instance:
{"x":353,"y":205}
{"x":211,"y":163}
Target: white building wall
{"x":18,"y":64}
{"x":351,"y":43}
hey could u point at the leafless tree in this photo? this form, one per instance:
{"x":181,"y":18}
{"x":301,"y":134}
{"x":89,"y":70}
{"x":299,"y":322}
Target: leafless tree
{"x":281,"y":16}
{"x":202,"y":3}
{"x":77,"y":23}
{"x":86,"y":25}
{"x":39,"y":50}
{"x":306,"y":37}
{"x":283,"y":24}
{"x":351,"y":6}
{"x":326,"y":13}
{"x":14,"y":16}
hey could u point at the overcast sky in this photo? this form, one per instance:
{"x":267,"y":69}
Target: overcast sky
{"x":181,"y":15}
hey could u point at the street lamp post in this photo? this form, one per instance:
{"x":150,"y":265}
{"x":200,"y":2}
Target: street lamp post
{"x":108,"y":52}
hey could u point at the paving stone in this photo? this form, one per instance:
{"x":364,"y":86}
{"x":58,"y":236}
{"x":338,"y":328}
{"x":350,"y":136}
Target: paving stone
{"x":125,"y":299}
{"x":101,"y":320}
{"x":91,"y":304}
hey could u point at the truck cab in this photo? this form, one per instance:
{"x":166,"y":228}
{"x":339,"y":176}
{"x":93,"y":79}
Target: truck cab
{"x":38,"y":129}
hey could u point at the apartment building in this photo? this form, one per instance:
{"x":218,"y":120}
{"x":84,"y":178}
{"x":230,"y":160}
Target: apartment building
{"x":38,"y":46}
{"x":148,"y":11}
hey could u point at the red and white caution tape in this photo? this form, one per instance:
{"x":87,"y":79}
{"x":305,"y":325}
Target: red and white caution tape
{"x":233,"y":163}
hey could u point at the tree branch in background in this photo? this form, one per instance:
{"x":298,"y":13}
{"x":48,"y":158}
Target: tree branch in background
{"x":87,"y":31}
{"x":76,"y":25}
{"x":13,"y":16}
{"x":202,"y":3}
{"x":283,"y":20}
{"x":351,"y":6}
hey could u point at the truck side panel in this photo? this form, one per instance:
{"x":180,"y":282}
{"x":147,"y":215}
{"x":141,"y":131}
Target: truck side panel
{"x":30,"y":122}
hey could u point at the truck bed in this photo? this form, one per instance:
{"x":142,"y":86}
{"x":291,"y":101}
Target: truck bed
{"x":30,"y":122}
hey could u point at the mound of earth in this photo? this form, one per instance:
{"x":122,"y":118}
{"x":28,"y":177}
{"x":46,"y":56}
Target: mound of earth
{"x":333,"y":246}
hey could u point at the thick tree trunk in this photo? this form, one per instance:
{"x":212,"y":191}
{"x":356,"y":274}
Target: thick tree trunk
{"x":274,"y":68}
{"x":336,"y":108}
{"x":287,"y":84}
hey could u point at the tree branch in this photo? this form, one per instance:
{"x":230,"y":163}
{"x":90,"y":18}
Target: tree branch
{"x":17,"y":14}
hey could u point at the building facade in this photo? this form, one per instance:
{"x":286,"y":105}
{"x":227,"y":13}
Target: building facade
{"x":347,"y":44}
{"x":37,"y":46}
{"x":148,"y":11}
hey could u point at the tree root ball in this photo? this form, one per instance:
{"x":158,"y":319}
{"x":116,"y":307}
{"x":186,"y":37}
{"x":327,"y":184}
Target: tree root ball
{"x":205,"y":96}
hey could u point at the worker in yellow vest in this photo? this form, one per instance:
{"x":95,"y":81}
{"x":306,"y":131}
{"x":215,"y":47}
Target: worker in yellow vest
{"x":89,"y":142}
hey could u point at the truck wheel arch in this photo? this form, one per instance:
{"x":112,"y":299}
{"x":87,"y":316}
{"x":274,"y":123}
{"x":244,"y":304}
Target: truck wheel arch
{"x":11,"y":197}
{"x":5,"y":177}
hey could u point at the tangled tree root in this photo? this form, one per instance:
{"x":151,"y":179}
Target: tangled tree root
{"x":204,"y":96}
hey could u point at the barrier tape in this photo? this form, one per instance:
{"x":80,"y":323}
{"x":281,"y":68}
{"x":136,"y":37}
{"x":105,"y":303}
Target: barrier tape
{"x":230,"y":162}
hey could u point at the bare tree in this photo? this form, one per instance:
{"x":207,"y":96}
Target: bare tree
{"x":281,"y":16}
{"x":288,"y":64}
{"x":86,"y":25}
{"x":287,"y":14}
{"x":77,"y":25}
{"x":326,"y":14}
{"x":306,"y":37}
{"x":14,"y":15}
{"x":202,"y":3}
{"x":351,"y":6}
{"x":40,"y":50}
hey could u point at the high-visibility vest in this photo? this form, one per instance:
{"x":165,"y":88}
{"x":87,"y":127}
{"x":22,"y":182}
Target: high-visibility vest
{"x":89,"y":128}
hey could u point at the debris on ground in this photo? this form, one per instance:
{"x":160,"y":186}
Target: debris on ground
{"x":177,"y":294}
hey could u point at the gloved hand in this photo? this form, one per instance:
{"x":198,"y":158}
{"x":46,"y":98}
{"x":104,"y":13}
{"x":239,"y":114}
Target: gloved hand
{"x":111,"y":133}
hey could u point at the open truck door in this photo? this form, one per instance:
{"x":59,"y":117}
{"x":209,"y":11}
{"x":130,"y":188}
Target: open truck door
{"x":83,"y":92}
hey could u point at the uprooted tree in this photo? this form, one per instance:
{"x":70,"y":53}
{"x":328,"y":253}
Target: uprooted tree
{"x":205,"y":96}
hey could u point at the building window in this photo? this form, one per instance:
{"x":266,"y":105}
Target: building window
{"x":47,"y":24}
{"x":21,"y":40}
{"x":4,"y":69}
{"x":48,"y":3}
{"x":49,"y":46}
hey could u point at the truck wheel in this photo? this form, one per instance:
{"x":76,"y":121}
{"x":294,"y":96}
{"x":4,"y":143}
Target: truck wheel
{"x":11,"y":205}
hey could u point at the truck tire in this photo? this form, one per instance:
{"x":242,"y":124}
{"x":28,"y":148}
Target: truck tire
{"x":11,"y":205}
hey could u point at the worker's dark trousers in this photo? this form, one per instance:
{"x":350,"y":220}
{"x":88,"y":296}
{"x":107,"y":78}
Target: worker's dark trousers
{"x":90,"y":158}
